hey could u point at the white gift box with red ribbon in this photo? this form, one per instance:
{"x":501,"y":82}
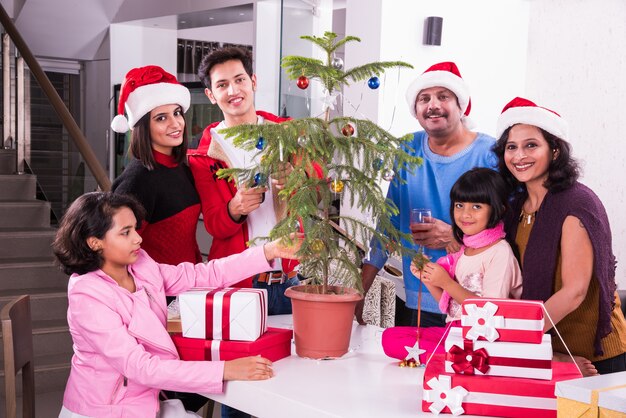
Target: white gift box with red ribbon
{"x":227,"y":314}
{"x":459,"y":394}
{"x":469,"y":357}
{"x":503,"y":320}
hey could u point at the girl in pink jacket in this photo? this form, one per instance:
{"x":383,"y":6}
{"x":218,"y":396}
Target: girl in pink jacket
{"x":123,"y":355}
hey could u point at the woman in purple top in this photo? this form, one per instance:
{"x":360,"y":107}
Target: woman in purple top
{"x":561,"y":233}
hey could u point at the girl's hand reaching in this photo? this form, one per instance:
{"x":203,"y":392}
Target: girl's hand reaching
{"x":282,"y":249}
{"x":248,"y":368}
{"x":435,"y":275}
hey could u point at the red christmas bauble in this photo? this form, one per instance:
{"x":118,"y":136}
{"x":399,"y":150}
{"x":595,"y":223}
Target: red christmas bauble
{"x":347,"y":130}
{"x":303,"y":82}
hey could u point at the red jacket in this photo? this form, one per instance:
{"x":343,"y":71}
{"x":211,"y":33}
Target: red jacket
{"x":229,"y":237}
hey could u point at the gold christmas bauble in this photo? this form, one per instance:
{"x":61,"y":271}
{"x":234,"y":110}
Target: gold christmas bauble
{"x":317,"y":245}
{"x":336,"y":186}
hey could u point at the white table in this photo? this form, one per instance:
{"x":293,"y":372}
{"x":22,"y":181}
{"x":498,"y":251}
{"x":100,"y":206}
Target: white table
{"x":363,"y":383}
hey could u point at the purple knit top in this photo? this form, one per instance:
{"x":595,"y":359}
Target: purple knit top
{"x":539,"y":264}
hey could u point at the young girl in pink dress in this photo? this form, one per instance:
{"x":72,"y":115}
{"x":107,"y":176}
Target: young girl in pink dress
{"x":485,"y":266}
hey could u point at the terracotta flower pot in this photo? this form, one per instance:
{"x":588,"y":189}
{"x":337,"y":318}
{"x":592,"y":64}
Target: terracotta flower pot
{"x":322,"y":323}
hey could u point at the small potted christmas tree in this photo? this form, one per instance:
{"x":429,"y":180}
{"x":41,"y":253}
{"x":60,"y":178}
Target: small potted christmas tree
{"x":354,"y":154}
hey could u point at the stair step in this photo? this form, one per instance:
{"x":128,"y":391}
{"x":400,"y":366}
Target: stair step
{"x":45,"y":303}
{"x":34,"y":242}
{"x":18,"y":187}
{"x":7,"y":161}
{"x":28,"y":214}
{"x":30,"y":273}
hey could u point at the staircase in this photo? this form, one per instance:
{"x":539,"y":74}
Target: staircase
{"x":27,"y":267}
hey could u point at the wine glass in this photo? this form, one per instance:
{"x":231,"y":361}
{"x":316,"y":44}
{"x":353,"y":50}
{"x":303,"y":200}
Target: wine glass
{"x":420,"y":216}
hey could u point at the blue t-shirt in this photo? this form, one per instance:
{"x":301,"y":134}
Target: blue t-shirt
{"x":429,"y":187}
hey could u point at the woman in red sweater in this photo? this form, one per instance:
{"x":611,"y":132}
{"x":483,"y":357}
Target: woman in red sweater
{"x":158,"y":175}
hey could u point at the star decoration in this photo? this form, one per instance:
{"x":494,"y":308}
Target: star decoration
{"x":414,"y":352}
{"x":329,"y":100}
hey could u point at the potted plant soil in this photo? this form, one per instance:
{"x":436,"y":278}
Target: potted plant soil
{"x":352,"y":155}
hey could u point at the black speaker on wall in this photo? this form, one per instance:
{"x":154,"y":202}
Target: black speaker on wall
{"x":432,"y":30}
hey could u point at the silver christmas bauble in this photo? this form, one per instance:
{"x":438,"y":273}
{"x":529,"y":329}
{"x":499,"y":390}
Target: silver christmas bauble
{"x":303,"y":141}
{"x":389,"y":175}
{"x":337,"y":63}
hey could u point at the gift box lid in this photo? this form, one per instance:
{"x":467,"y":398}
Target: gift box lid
{"x":533,"y":308}
{"x":582,"y":389}
{"x":615,"y":399}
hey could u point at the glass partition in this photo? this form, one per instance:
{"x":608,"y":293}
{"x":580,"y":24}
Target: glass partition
{"x":300,"y":17}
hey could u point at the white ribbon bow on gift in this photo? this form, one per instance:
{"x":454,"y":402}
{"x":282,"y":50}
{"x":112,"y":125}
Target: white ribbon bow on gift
{"x":443,"y":395}
{"x":483,"y":322}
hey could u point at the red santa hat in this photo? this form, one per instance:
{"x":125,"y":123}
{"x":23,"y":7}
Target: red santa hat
{"x":524,"y":111}
{"x":443,"y":74}
{"x":144,"y":89}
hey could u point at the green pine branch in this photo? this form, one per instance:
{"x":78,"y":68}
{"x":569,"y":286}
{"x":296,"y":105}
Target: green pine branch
{"x":365,"y":71}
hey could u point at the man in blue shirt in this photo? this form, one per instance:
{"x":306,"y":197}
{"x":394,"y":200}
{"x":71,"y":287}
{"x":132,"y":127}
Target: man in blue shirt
{"x":440,"y":100}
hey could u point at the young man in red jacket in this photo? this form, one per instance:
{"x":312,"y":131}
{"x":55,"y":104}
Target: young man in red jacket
{"x":235,"y":214}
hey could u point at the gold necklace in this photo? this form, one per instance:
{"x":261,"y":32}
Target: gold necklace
{"x":527,"y":217}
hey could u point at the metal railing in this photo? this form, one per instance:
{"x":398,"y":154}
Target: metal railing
{"x":59,"y":106}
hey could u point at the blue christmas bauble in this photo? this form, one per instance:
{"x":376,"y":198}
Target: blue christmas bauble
{"x":260,"y":144}
{"x":373,"y":83}
{"x":259,"y":179}
{"x":377,"y":164}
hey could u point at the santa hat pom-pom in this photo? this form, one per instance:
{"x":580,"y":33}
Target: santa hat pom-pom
{"x":120,"y":124}
{"x":469,"y":123}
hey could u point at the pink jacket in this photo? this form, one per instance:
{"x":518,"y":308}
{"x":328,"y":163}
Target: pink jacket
{"x":123,"y":355}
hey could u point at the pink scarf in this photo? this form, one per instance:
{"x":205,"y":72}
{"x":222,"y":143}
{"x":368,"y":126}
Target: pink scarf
{"x":448,"y":262}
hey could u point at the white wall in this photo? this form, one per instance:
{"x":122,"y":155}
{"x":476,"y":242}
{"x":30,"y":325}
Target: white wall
{"x":481,"y":36}
{"x":135,"y":46}
{"x":577,"y":66}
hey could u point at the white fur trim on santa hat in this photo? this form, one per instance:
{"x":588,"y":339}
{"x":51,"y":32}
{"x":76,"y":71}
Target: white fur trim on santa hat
{"x":532,"y":115}
{"x":438,"y":79}
{"x":145,"y":98}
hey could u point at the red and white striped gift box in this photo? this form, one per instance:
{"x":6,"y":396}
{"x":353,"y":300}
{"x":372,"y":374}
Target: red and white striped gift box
{"x":228,"y":314}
